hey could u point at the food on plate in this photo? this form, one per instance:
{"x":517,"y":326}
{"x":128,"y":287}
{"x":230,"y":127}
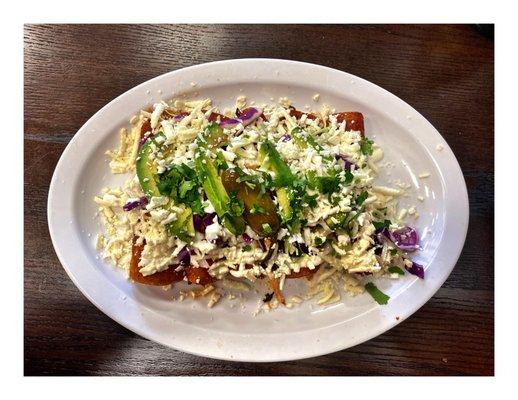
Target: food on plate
{"x":256,"y":192}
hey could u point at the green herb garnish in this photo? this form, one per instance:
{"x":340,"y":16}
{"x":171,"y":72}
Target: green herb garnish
{"x":257,"y":209}
{"x":220,"y":162}
{"x":366,"y":146}
{"x":381,"y":224}
{"x":378,"y":295}
{"x":396,"y":270}
{"x":319,"y":241}
{"x":180,"y":183}
{"x":236,"y":206}
{"x":246,"y":248}
{"x":361,"y":198}
{"x":310,"y":200}
{"x":348,"y":177}
{"x":267,"y":229}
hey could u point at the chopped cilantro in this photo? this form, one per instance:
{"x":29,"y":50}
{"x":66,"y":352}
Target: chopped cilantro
{"x":393,"y":252}
{"x":348,"y":177}
{"x":366,"y":146}
{"x":236,"y":206}
{"x":378,"y":295}
{"x":319,"y":241}
{"x":246,"y":247}
{"x":329,"y":184}
{"x":310,"y":200}
{"x":381,"y":224}
{"x":334,"y":199}
{"x":257,"y":209}
{"x":337,"y":221}
{"x":396,"y":270}
{"x":220,"y":162}
{"x":185,"y":187}
{"x":180,"y":182}
{"x":266,"y":228}
{"x":361,"y":198}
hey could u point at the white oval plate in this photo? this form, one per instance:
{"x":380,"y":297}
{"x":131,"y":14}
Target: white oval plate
{"x":232,"y":332}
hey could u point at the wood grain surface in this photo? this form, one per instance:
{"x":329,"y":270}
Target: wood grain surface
{"x":445,"y":72}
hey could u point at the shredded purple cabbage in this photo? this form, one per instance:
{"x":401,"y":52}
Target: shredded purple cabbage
{"x":143,"y":140}
{"x":416,"y":270}
{"x":347,"y":164}
{"x":134,"y":204}
{"x":245,"y":117}
{"x":286,"y":137}
{"x":247,"y":238}
{"x":230,"y":123}
{"x":201,"y":222}
{"x":184,"y":256}
{"x":405,"y":238}
{"x":249,"y":115}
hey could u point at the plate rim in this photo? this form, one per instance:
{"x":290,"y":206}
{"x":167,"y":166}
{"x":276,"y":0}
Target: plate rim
{"x":313,"y":352}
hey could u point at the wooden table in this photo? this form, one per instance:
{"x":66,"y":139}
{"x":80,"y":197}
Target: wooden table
{"x":445,"y":72}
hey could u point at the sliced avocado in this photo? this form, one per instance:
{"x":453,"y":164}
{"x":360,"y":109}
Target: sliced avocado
{"x":214,"y":136}
{"x":147,"y":170}
{"x":147,"y":175}
{"x":304,"y":139}
{"x":216,"y":193}
{"x":183,"y":227}
{"x":271,"y":159}
{"x":284,"y":198}
{"x":337,"y":221}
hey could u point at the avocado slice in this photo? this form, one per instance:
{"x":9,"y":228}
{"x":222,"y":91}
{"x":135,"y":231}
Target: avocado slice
{"x":214,"y":136}
{"x":216,"y":193}
{"x":271,"y":159}
{"x":183,"y":227}
{"x":304,"y":139}
{"x":147,"y":175}
{"x":284,"y":198}
{"x":147,"y":170}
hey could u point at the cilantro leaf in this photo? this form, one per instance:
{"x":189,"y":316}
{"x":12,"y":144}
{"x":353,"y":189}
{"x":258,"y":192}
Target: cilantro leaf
{"x":396,"y":270}
{"x":180,"y":182}
{"x":266,"y":228}
{"x":220,"y":162}
{"x":257,"y":209}
{"x":310,"y":200}
{"x":246,"y":247}
{"x":319,"y":241}
{"x":378,"y":295}
{"x":185,"y":187}
{"x":381,"y":224}
{"x":329,"y":184}
{"x":366,"y":146}
{"x":361,"y":198}
{"x":236,"y":206}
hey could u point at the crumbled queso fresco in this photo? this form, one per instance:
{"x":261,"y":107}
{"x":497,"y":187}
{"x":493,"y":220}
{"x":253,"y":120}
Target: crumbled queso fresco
{"x":265,"y":193}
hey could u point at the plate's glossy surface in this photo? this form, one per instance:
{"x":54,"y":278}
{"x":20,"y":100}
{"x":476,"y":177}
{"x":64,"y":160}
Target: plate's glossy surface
{"x":409,"y":141}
